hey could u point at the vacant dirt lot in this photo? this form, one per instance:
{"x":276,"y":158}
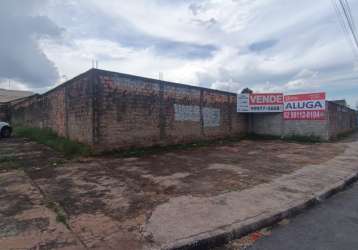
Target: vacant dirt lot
{"x":47,"y":202}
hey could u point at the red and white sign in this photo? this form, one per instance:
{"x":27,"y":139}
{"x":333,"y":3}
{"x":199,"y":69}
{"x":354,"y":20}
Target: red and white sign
{"x":259,"y":103}
{"x":305,"y":107}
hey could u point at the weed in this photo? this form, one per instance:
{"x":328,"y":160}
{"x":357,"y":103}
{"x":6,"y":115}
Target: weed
{"x":48,"y":137}
{"x":345,"y":135}
{"x":254,"y":136}
{"x":137,"y":152}
{"x":5,"y":159}
{"x":61,"y":216}
{"x":288,"y":138}
{"x":303,"y":139}
{"x":9,"y":163}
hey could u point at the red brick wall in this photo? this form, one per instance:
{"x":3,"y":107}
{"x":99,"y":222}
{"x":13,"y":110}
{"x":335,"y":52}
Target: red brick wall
{"x":134,"y":111}
{"x":66,"y":109}
{"x":341,"y":119}
{"x":128,"y":112}
{"x":4,"y":112}
{"x":79,"y":109}
{"x":175,"y":97}
{"x":110,"y":110}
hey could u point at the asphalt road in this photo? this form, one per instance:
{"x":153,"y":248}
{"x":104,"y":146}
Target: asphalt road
{"x":332,"y":224}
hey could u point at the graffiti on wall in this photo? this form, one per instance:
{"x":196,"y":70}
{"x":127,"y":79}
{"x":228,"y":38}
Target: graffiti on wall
{"x":211,"y":116}
{"x":187,"y":113}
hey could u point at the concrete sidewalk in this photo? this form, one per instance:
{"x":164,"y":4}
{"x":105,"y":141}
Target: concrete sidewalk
{"x":186,"y":222}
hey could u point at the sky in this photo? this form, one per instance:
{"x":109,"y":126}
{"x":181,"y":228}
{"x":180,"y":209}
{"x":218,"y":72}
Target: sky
{"x":266,"y":45}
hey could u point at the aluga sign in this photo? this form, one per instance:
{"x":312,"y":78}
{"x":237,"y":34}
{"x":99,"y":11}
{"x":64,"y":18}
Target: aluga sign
{"x":305,"y":106}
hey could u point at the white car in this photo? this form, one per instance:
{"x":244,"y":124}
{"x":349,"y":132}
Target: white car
{"x":5,"y":130}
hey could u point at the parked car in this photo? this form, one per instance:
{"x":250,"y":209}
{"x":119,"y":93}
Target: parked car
{"x":5,"y":130}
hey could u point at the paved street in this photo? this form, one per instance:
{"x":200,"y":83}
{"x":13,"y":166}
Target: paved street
{"x":332,"y":225}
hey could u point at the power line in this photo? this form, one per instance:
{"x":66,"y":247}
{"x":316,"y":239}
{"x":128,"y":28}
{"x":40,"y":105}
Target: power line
{"x":347,"y":23}
{"x":343,"y":24}
{"x":348,"y":15}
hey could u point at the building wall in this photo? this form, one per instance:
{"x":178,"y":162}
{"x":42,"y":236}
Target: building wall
{"x":7,"y":95}
{"x":274,"y":124}
{"x":267,"y":124}
{"x":135,"y":111}
{"x":128,"y":112}
{"x":4,"y":112}
{"x":306,"y":128}
{"x":109,"y":110}
{"x":341,"y":119}
{"x":66,"y":109}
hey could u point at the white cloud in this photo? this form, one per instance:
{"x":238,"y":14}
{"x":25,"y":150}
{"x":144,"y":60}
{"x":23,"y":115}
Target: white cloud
{"x":267,"y":45}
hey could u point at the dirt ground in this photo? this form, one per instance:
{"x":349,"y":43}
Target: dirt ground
{"x":48,"y":202}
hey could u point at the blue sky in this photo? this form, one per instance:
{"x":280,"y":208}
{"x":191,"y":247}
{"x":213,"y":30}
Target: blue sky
{"x":267,"y":45}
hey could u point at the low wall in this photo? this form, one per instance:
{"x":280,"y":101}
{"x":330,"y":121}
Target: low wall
{"x":4,"y":112}
{"x":339,"y":119}
{"x":67,"y":109}
{"x":266,"y":124}
{"x":307,"y":128}
{"x":135,"y":111}
{"x":108,"y":110}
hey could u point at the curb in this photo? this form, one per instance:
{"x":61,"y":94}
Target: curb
{"x":237,"y":230}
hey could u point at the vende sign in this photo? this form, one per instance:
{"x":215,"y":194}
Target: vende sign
{"x":263,"y":102}
{"x":305,"y":106}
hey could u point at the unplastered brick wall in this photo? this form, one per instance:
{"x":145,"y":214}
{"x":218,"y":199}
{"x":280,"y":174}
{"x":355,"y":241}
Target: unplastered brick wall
{"x":4,"y":112}
{"x":341,"y":119}
{"x":108,"y":110}
{"x":137,"y":112}
{"x":67,"y":109}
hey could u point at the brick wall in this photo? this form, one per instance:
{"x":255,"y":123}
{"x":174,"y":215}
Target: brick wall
{"x":274,"y":124}
{"x":135,"y":111}
{"x":127,"y":112}
{"x":307,"y":128}
{"x":66,"y":109}
{"x":4,"y":112}
{"x":341,"y":119}
{"x":109,"y":110}
{"x":267,"y":124}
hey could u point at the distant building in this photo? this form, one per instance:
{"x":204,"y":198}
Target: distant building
{"x":342,"y":102}
{"x":10,"y":95}
{"x":247,"y":91}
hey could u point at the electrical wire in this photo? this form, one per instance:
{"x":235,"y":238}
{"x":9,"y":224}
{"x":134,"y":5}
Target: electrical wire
{"x":344,"y":25}
{"x":348,"y":16}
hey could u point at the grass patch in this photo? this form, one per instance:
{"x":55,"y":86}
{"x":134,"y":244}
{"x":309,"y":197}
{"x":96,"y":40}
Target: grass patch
{"x":303,"y":139}
{"x":253,"y":136}
{"x":345,"y":135}
{"x":289,"y":138}
{"x":138,"y":152}
{"x":61,"y":216}
{"x":9,"y":163}
{"x":48,"y":137}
